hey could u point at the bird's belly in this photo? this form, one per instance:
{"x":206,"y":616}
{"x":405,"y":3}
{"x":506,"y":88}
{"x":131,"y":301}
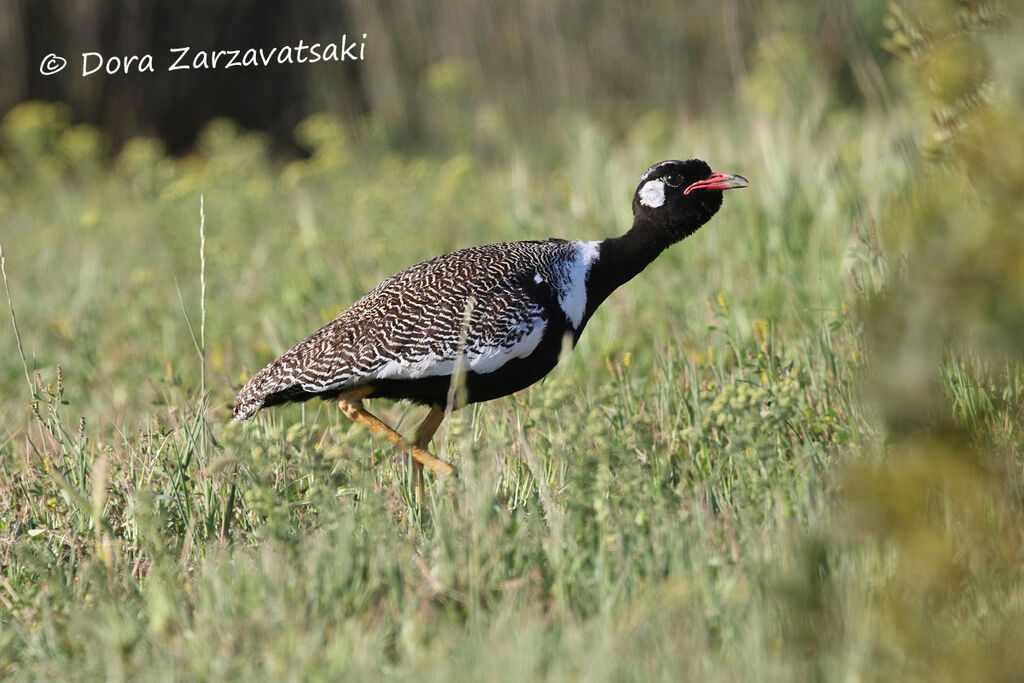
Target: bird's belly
{"x":516,"y":374}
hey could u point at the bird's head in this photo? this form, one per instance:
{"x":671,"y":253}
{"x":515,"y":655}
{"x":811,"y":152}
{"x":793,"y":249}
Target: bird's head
{"x":681,"y":195}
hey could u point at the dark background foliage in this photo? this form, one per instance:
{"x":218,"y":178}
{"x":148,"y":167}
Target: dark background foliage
{"x":530,"y":59}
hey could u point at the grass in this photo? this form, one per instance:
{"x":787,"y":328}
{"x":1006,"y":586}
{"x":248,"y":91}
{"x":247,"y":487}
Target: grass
{"x":706,"y":488}
{"x":694,"y":422}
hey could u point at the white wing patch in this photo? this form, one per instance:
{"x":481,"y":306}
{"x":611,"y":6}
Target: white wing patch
{"x":652,"y":194}
{"x":572,"y":296}
{"x":480,"y":360}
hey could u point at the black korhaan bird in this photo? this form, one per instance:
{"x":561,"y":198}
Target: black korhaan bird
{"x":500,"y":311}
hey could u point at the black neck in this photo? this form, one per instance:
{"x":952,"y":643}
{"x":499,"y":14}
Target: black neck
{"x":622,"y":258}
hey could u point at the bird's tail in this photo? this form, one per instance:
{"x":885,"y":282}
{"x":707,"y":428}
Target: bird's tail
{"x":243,"y":411}
{"x":250,"y":398}
{"x":245,"y":408}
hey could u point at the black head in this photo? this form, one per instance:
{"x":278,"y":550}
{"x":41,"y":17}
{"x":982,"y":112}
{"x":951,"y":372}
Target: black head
{"x":681,"y":195}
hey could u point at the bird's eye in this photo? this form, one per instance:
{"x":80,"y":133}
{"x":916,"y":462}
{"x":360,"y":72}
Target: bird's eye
{"x":674,"y":180}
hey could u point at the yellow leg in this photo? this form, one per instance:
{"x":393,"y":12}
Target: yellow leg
{"x":352,"y":406}
{"x":424,"y":433}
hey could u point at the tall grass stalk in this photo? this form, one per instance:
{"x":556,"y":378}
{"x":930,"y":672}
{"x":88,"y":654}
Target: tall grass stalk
{"x":14,"y":322}
{"x":203,"y":398}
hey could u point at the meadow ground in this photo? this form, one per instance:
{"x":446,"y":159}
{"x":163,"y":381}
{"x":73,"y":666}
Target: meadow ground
{"x":711,"y":486}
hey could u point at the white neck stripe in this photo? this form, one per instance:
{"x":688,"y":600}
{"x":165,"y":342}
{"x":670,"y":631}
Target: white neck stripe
{"x":573,"y":297}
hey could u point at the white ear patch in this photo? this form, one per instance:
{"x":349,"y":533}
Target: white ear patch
{"x":652,"y":194}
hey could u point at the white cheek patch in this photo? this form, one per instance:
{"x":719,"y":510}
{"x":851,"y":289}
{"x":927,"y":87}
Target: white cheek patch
{"x":652,"y":194}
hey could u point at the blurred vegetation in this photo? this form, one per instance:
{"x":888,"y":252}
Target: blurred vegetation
{"x":790,"y":450}
{"x":945,"y":507}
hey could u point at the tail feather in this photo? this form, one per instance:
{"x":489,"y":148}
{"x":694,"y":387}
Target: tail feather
{"x":250,"y":399}
{"x":313,"y":367}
